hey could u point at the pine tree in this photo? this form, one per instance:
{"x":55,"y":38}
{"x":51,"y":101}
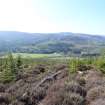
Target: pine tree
{"x":11,"y":64}
{"x":19,"y":62}
{"x":1,"y":65}
{"x":5,"y":63}
{"x":9,"y":71}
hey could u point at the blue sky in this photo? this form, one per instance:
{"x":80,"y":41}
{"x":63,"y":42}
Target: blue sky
{"x":79,"y":16}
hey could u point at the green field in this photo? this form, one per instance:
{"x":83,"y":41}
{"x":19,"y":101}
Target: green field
{"x":29,"y":55}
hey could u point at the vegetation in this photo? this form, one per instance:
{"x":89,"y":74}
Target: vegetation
{"x":9,"y":68}
{"x":97,"y":62}
{"x":47,"y":81}
{"x":14,"y":63}
{"x":34,"y":56}
{"x":51,"y":69}
{"x":64,"y":43}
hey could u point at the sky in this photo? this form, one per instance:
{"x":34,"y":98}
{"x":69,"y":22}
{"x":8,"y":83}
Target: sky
{"x":44,"y":16}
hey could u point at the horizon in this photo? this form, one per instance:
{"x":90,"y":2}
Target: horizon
{"x":53,"y":16}
{"x":53,"y":33}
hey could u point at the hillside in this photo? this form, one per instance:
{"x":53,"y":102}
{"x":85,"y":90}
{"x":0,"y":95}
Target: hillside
{"x":42,"y":87}
{"x":44,"y":81}
{"x":64,"y":42}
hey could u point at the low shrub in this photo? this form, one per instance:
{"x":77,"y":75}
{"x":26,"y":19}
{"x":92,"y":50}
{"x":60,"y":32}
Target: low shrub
{"x":95,"y":93}
{"x":93,"y":79}
{"x":5,"y":98}
{"x":75,"y":88}
{"x":98,"y":102}
{"x":81,"y":81}
{"x":62,"y":93}
{"x":2,"y":87}
{"x":64,"y":98}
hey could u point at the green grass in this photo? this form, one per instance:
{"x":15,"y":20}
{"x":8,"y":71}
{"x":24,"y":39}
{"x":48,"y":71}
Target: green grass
{"x":29,"y":55}
{"x":97,"y":62}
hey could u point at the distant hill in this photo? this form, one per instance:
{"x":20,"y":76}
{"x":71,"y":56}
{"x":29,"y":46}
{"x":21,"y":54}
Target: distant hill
{"x":64,"y":42}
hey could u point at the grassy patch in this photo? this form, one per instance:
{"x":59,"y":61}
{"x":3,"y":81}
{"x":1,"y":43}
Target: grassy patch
{"x":29,"y":55}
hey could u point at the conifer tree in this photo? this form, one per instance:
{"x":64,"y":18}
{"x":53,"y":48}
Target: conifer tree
{"x":1,"y":65}
{"x":19,"y":62}
{"x":11,"y":64}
